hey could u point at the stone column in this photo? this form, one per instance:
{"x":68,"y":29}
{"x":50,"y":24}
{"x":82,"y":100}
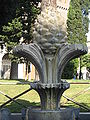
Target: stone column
{"x":50,"y":94}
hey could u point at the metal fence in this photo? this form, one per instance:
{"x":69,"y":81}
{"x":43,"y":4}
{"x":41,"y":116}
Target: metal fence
{"x":24,"y":92}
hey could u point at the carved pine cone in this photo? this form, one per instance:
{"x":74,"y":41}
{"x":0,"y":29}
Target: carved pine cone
{"x":50,"y":29}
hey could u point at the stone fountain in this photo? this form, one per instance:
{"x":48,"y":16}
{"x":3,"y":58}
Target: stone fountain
{"x":50,"y":52}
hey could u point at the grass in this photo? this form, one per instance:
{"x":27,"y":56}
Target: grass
{"x":83,"y":99}
{"x":76,"y":80}
{"x":32,"y":97}
{"x":19,"y":80}
{"x":13,"y":90}
{"x":14,"y":81}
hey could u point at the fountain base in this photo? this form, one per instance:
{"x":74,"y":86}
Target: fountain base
{"x":62,"y":114}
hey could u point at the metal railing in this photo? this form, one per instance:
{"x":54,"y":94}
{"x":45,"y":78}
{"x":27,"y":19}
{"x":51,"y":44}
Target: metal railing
{"x":24,"y":92}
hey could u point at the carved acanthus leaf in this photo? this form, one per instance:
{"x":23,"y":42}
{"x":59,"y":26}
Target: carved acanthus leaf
{"x":66,"y":53}
{"x":34,"y":54}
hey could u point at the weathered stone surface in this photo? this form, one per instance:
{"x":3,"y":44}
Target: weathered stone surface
{"x":50,"y":66}
{"x":50,"y":25}
{"x":5,"y":114}
{"x":50,"y":28}
{"x":50,"y":52}
{"x":34,"y":54}
{"x":63,"y":114}
{"x":50,"y":94}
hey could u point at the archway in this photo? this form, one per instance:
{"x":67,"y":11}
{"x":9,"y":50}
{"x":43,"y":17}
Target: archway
{"x":6,"y":66}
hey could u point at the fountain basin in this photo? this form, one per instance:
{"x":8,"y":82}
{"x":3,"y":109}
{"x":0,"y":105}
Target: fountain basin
{"x":61,"y":114}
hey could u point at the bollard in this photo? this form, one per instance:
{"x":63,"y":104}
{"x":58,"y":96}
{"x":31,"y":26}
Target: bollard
{"x":23,"y":111}
{"x":5,"y":114}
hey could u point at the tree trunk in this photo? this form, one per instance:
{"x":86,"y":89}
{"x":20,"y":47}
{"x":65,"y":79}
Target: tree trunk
{"x":80,"y":72}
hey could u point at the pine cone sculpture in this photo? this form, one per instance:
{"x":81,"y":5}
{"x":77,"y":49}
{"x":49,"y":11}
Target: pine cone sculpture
{"x":50,"y":29}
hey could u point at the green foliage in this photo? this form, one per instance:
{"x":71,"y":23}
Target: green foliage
{"x":77,"y":27}
{"x":76,"y":64}
{"x":12,"y":33}
{"x":7,"y":12}
{"x":77,"y":24}
{"x":19,"y":24}
{"x":71,"y":69}
{"x":85,"y":6}
{"x":28,"y":11}
{"x":85,"y":61}
{"x":16,"y":21}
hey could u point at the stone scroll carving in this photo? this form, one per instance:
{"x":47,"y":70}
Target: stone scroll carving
{"x":67,"y":53}
{"x":50,"y":67}
{"x":32,"y":53}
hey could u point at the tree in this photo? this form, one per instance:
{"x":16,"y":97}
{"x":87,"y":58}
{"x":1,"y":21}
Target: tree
{"x":85,"y":61}
{"x":85,"y":6}
{"x":77,"y":27}
{"x":19,"y":22}
{"x":18,"y":18}
{"x":28,"y":11}
{"x":12,"y":33}
{"x":7,"y":12}
{"x":71,"y":69}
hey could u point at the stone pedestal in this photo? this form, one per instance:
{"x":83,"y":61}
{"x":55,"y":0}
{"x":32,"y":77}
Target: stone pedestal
{"x":5,"y":114}
{"x":50,"y":53}
{"x":50,"y":87}
{"x":63,"y":114}
{"x":50,"y":94}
